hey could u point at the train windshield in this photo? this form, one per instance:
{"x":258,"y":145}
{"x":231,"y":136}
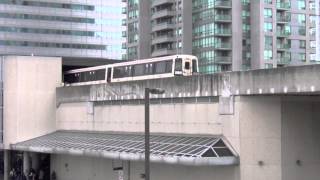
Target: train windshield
{"x":178,"y":64}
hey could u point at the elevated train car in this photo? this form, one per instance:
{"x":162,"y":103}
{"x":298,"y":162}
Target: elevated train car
{"x":161,"y":67}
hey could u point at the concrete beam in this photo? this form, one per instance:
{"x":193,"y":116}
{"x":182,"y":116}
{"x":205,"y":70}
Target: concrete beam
{"x":290,"y":80}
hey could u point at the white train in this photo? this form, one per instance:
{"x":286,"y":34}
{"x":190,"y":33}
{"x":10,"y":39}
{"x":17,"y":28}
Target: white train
{"x":161,"y":67}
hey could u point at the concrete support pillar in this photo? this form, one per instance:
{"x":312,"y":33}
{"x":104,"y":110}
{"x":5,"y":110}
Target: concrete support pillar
{"x":6,"y":164}
{"x":26,"y":162}
{"x":35,"y":158}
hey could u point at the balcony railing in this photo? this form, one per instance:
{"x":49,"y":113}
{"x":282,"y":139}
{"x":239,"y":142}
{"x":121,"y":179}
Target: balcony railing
{"x":223,"y":46}
{"x":283,"y":5}
{"x":163,"y":38}
{"x":283,"y":33}
{"x":223,"y":59}
{"x":160,"y":2}
{"x":222,"y":32}
{"x":283,"y":46}
{"x":161,"y":26}
{"x":222,"y":17}
{"x":284,"y":19}
{"x":163,"y":13}
{"x":163,"y":52}
{"x":222,"y":4}
{"x":284,"y":60}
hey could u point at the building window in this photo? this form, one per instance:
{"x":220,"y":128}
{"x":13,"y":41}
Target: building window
{"x":267,"y":54}
{"x":268,"y":42}
{"x":302,"y":56}
{"x":268,"y":65}
{"x":268,"y":1}
{"x":301,"y":4}
{"x":302,"y":44}
{"x":267,"y":27}
{"x":267,"y":13}
{"x":302,"y":18}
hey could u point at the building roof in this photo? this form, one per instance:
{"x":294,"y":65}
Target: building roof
{"x":172,"y":149}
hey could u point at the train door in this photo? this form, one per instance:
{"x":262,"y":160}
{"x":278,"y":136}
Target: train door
{"x":178,"y":66}
{"x":194,"y":66}
{"x":109,"y":74}
{"x":187,"y":67}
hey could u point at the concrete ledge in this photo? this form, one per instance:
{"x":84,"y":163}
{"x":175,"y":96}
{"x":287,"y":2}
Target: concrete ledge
{"x":290,"y":80}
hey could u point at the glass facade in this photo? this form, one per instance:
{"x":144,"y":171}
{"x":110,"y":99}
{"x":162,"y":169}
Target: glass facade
{"x":133,"y":29}
{"x":62,"y":29}
{"x":246,"y":36}
{"x":212,"y":34}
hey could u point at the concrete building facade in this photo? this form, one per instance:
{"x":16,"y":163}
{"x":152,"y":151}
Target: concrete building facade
{"x":226,"y":35}
{"x":63,"y":28}
{"x":273,"y":131}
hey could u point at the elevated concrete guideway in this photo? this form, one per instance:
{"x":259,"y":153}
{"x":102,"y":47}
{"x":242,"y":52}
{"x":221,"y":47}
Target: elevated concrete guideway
{"x":268,"y":119}
{"x":289,"y":80}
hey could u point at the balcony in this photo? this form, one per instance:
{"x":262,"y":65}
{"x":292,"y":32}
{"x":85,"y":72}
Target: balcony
{"x":283,"y":47}
{"x":312,"y":23}
{"x":124,"y":10}
{"x":124,"y":33}
{"x":284,"y":6}
{"x":302,"y":31}
{"x":222,"y":60}
{"x":124,"y":22}
{"x":163,"y":13}
{"x":124,"y":45}
{"x":161,"y":2}
{"x":163,"y":52}
{"x":312,"y":35}
{"x":283,"y":60}
{"x":282,"y":19}
{"x":222,"y":4}
{"x":163,"y":39}
{"x":222,"y":18}
{"x":222,"y":32}
{"x":162,"y":26}
{"x":223,"y":46}
{"x":283,"y":33}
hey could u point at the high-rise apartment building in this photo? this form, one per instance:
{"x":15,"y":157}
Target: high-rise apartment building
{"x":285,"y":33}
{"x":225,"y":34}
{"x":67,"y":28}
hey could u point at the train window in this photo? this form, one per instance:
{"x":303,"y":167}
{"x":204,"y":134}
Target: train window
{"x":128,"y":71}
{"x":82,"y":77}
{"x":160,"y":67}
{"x":100,"y":74}
{"x":118,"y":72}
{"x":71,"y":78}
{"x":168,"y":66}
{"x":178,"y":64}
{"x":194,"y":66}
{"x":148,"y":69}
{"x":187,"y":65}
{"x":139,"y":70}
{"x":109,"y":75}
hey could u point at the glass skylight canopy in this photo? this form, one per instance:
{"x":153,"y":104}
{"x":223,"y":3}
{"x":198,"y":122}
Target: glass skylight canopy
{"x":187,"y":150}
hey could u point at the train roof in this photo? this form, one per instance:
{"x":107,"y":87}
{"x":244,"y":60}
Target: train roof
{"x":129,"y":63}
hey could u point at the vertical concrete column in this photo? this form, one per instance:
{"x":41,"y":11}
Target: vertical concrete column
{"x":35,"y":158}
{"x":26,"y":162}
{"x":6,"y":164}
